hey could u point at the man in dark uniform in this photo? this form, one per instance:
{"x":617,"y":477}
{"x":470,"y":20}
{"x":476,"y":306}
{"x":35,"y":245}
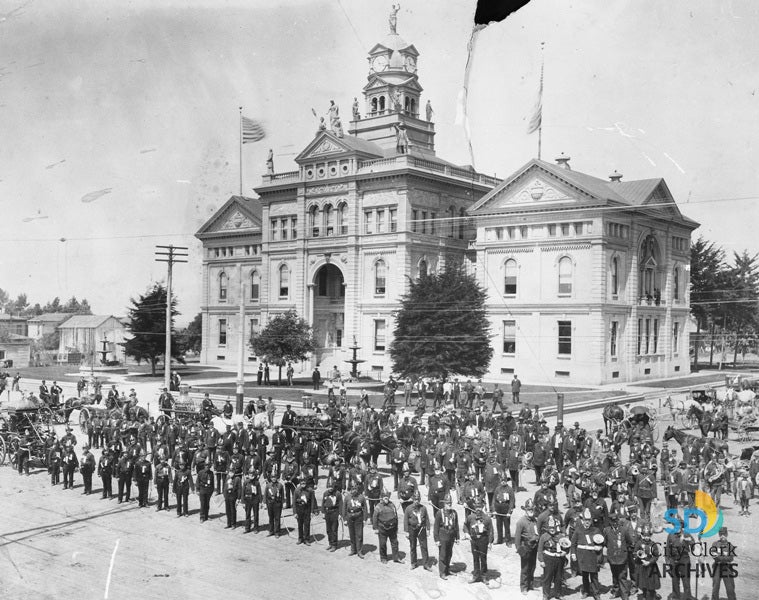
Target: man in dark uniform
{"x":105,"y":472}
{"x":55,"y":457}
{"x":526,"y":539}
{"x":275,"y":497}
{"x":305,"y":506}
{"x":220,"y":466}
{"x":445,"y":533}
{"x":355,"y":512}
{"x":165,"y":402}
{"x":251,"y":496}
{"x":618,"y":542}
{"x":479,"y":527}
{"x":205,"y":487}
{"x":374,"y":488}
{"x":587,"y":544}
{"x":232,"y":496}
{"x":385,"y":524}
{"x":182,"y":485}
{"x":290,"y":474}
{"x":332,"y":506}
{"x":437,"y":490}
{"x":416,"y":524}
{"x":551,"y":557}
{"x":677,"y":555}
{"x":316,"y":378}
{"x":70,"y":464}
{"x":87,"y":468}
{"x":724,"y":566}
{"x":288,"y":420}
{"x":143,"y":473}
{"x":407,"y":486}
{"x":124,"y":472}
{"x":162,"y":481}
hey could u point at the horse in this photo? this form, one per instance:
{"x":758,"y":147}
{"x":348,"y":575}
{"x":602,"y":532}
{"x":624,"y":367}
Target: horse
{"x":613,"y":414}
{"x":708,"y":422}
{"x":702,"y":444}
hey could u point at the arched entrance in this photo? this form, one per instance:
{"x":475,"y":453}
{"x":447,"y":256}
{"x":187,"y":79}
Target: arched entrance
{"x":329,"y":315}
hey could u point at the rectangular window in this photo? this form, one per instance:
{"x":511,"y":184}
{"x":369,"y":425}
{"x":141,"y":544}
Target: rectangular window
{"x":509,"y":337}
{"x":656,"y":336}
{"x":433,"y":216}
{"x":222,"y":332}
{"x":393,"y":220}
{"x":613,"y":338}
{"x":565,"y":338}
{"x":294,"y":228}
{"x":648,"y":336}
{"x":578,"y":228}
{"x":424,"y":221}
{"x":640,"y":336}
{"x":510,"y":233}
{"x":368,"y":222}
{"x":380,"y":220}
{"x":274,"y":230}
{"x":253,"y":327}
{"x":565,"y":229}
{"x":524,"y":232}
{"x":676,"y":338}
{"x":283,"y":229}
{"x":414,"y":220}
{"x":217,"y":252}
{"x":284,"y":282}
{"x":248,"y":250}
{"x":676,"y":283}
{"x":379,"y":335}
{"x":552,"y":231}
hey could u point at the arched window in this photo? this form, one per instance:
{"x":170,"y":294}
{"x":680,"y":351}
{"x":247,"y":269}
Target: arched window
{"x":381,"y":103}
{"x":255,"y":285}
{"x":342,"y":219}
{"x":374,"y":105}
{"x":676,"y":283}
{"x":510,"y":278}
{"x":462,"y":214}
{"x":329,"y":220}
{"x":412,"y":107}
{"x":452,"y":225}
{"x":223,"y":279}
{"x":422,"y":268}
{"x":380,"y":277}
{"x":313,"y":223}
{"x":565,"y":276}
{"x":615,"y":276}
{"x":284,"y":281}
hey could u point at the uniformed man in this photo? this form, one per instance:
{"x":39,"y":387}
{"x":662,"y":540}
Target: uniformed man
{"x":143,"y":473}
{"x":290,"y":476}
{"x":232,"y":496}
{"x":305,"y":506}
{"x":183,"y":483}
{"x":551,"y":557}
{"x":646,"y":553}
{"x":275,"y":497}
{"x":677,"y":555}
{"x":618,"y":543}
{"x":445,"y":533}
{"x":374,"y":488}
{"x":724,"y":566}
{"x":416,"y":523}
{"x":87,"y":468}
{"x":479,"y":527}
{"x":587,"y":544}
{"x":385,"y":524}
{"x":407,"y":486}
{"x":252,"y":499}
{"x":69,"y":465}
{"x":437,"y":489}
{"x":355,"y":512}
{"x":162,"y":481}
{"x":526,"y":539}
{"x":105,"y":472}
{"x":220,"y":466}
{"x":55,"y":458}
{"x":332,"y":507}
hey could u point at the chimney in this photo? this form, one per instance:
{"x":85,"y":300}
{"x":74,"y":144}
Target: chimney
{"x":616,"y":177}
{"x":563,"y":161}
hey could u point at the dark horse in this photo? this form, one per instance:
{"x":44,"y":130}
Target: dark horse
{"x":368,"y":446}
{"x":702,"y":444}
{"x":707,"y":422}
{"x":612,"y":413}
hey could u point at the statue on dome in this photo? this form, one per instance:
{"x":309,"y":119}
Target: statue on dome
{"x":322,"y":125}
{"x":356,"y":114}
{"x":337,"y":127}
{"x":270,"y":162}
{"x":393,"y":19}
{"x":401,"y":139}
{"x":334,"y":114}
{"x":429,"y":110}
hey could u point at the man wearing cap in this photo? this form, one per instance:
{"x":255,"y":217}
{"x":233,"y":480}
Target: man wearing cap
{"x":183,"y":483}
{"x":407,"y":486}
{"x":55,"y":456}
{"x":385,"y":524}
{"x":526,"y":538}
{"x":587,"y":544}
{"x":68,"y":440}
{"x":374,"y":488}
{"x":305,"y":506}
{"x":124,"y":471}
{"x":618,"y":542}
{"x":445,"y":532}
{"x":724,"y":566}
{"x":479,"y":527}
{"x":232,"y":496}
{"x":143,"y":473}
{"x":355,"y":511}
{"x":105,"y":472}
{"x":551,"y":557}
{"x":165,"y":402}
{"x":502,"y":505}
{"x":162,"y":480}
{"x":437,"y":489}
{"x":677,"y":555}
{"x":87,"y":468}
{"x":332,"y":507}
{"x":70,"y":464}
{"x":275,"y":496}
{"x":252,"y":499}
{"x":416,"y":523}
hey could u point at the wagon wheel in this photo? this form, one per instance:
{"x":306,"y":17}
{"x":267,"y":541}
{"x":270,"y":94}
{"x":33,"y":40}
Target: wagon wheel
{"x":161,"y":419}
{"x":46,"y":416}
{"x":59,"y":416}
{"x":3,"y":452}
{"x":84,"y":417}
{"x":12,"y":449}
{"x":326,"y":447}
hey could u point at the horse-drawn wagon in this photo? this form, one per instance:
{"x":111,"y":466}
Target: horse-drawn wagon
{"x":322,"y":428}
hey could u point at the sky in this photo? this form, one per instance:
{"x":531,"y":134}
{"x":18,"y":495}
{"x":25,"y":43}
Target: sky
{"x":119,"y":121}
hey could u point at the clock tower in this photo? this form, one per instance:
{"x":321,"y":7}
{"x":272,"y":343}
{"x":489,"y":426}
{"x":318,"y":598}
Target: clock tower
{"x":392,"y":96}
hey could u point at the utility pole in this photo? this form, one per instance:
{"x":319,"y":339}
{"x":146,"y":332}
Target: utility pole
{"x":170,"y":255}
{"x":240,"y":395}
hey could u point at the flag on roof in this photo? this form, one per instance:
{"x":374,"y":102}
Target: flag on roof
{"x":252,"y":131}
{"x":537,"y":114}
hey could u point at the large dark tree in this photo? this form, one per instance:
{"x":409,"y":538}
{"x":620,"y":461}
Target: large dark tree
{"x":707,"y":280}
{"x":442,"y":327}
{"x":286,"y":338}
{"x":192,"y":335}
{"x":147,"y":324}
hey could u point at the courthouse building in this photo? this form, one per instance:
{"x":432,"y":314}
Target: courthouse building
{"x":577,"y":292}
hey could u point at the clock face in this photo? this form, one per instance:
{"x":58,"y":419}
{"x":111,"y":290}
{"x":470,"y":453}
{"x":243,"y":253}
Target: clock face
{"x":379,"y":63}
{"x":410,"y":64}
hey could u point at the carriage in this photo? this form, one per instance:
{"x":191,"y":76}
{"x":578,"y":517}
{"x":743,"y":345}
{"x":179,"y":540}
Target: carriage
{"x":641,"y":420}
{"x":188,"y":408}
{"x":13,"y":424}
{"x":324,"y":430}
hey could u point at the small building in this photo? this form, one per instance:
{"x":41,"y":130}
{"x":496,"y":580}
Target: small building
{"x":45,"y":324}
{"x":92,"y":336}
{"x":11,"y":324}
{"x":15,"y":350}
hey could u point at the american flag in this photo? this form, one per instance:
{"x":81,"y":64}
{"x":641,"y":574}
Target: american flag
{"x":252,"y":131}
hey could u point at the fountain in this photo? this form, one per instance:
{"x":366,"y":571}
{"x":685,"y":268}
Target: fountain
{"x":354,"y":361}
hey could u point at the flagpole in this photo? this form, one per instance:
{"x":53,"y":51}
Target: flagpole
{"x":240,"y":126}
{"x":540,"y":127}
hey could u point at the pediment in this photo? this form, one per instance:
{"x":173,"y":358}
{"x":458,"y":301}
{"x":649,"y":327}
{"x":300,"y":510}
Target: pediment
{"x":662,"y":201}
{"x":234,"y":216}
{"x":323,"y":145}
{"x":528,"y":190}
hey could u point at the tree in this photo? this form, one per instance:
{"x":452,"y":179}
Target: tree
{"x":52,"y":307}
{"x":192,"y":335}
{"x":147,"y":323}
{"x":739,"y":305}
{"x":286,"y":338}
{"x":707,"y":266}
{"x":442,"y":327}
